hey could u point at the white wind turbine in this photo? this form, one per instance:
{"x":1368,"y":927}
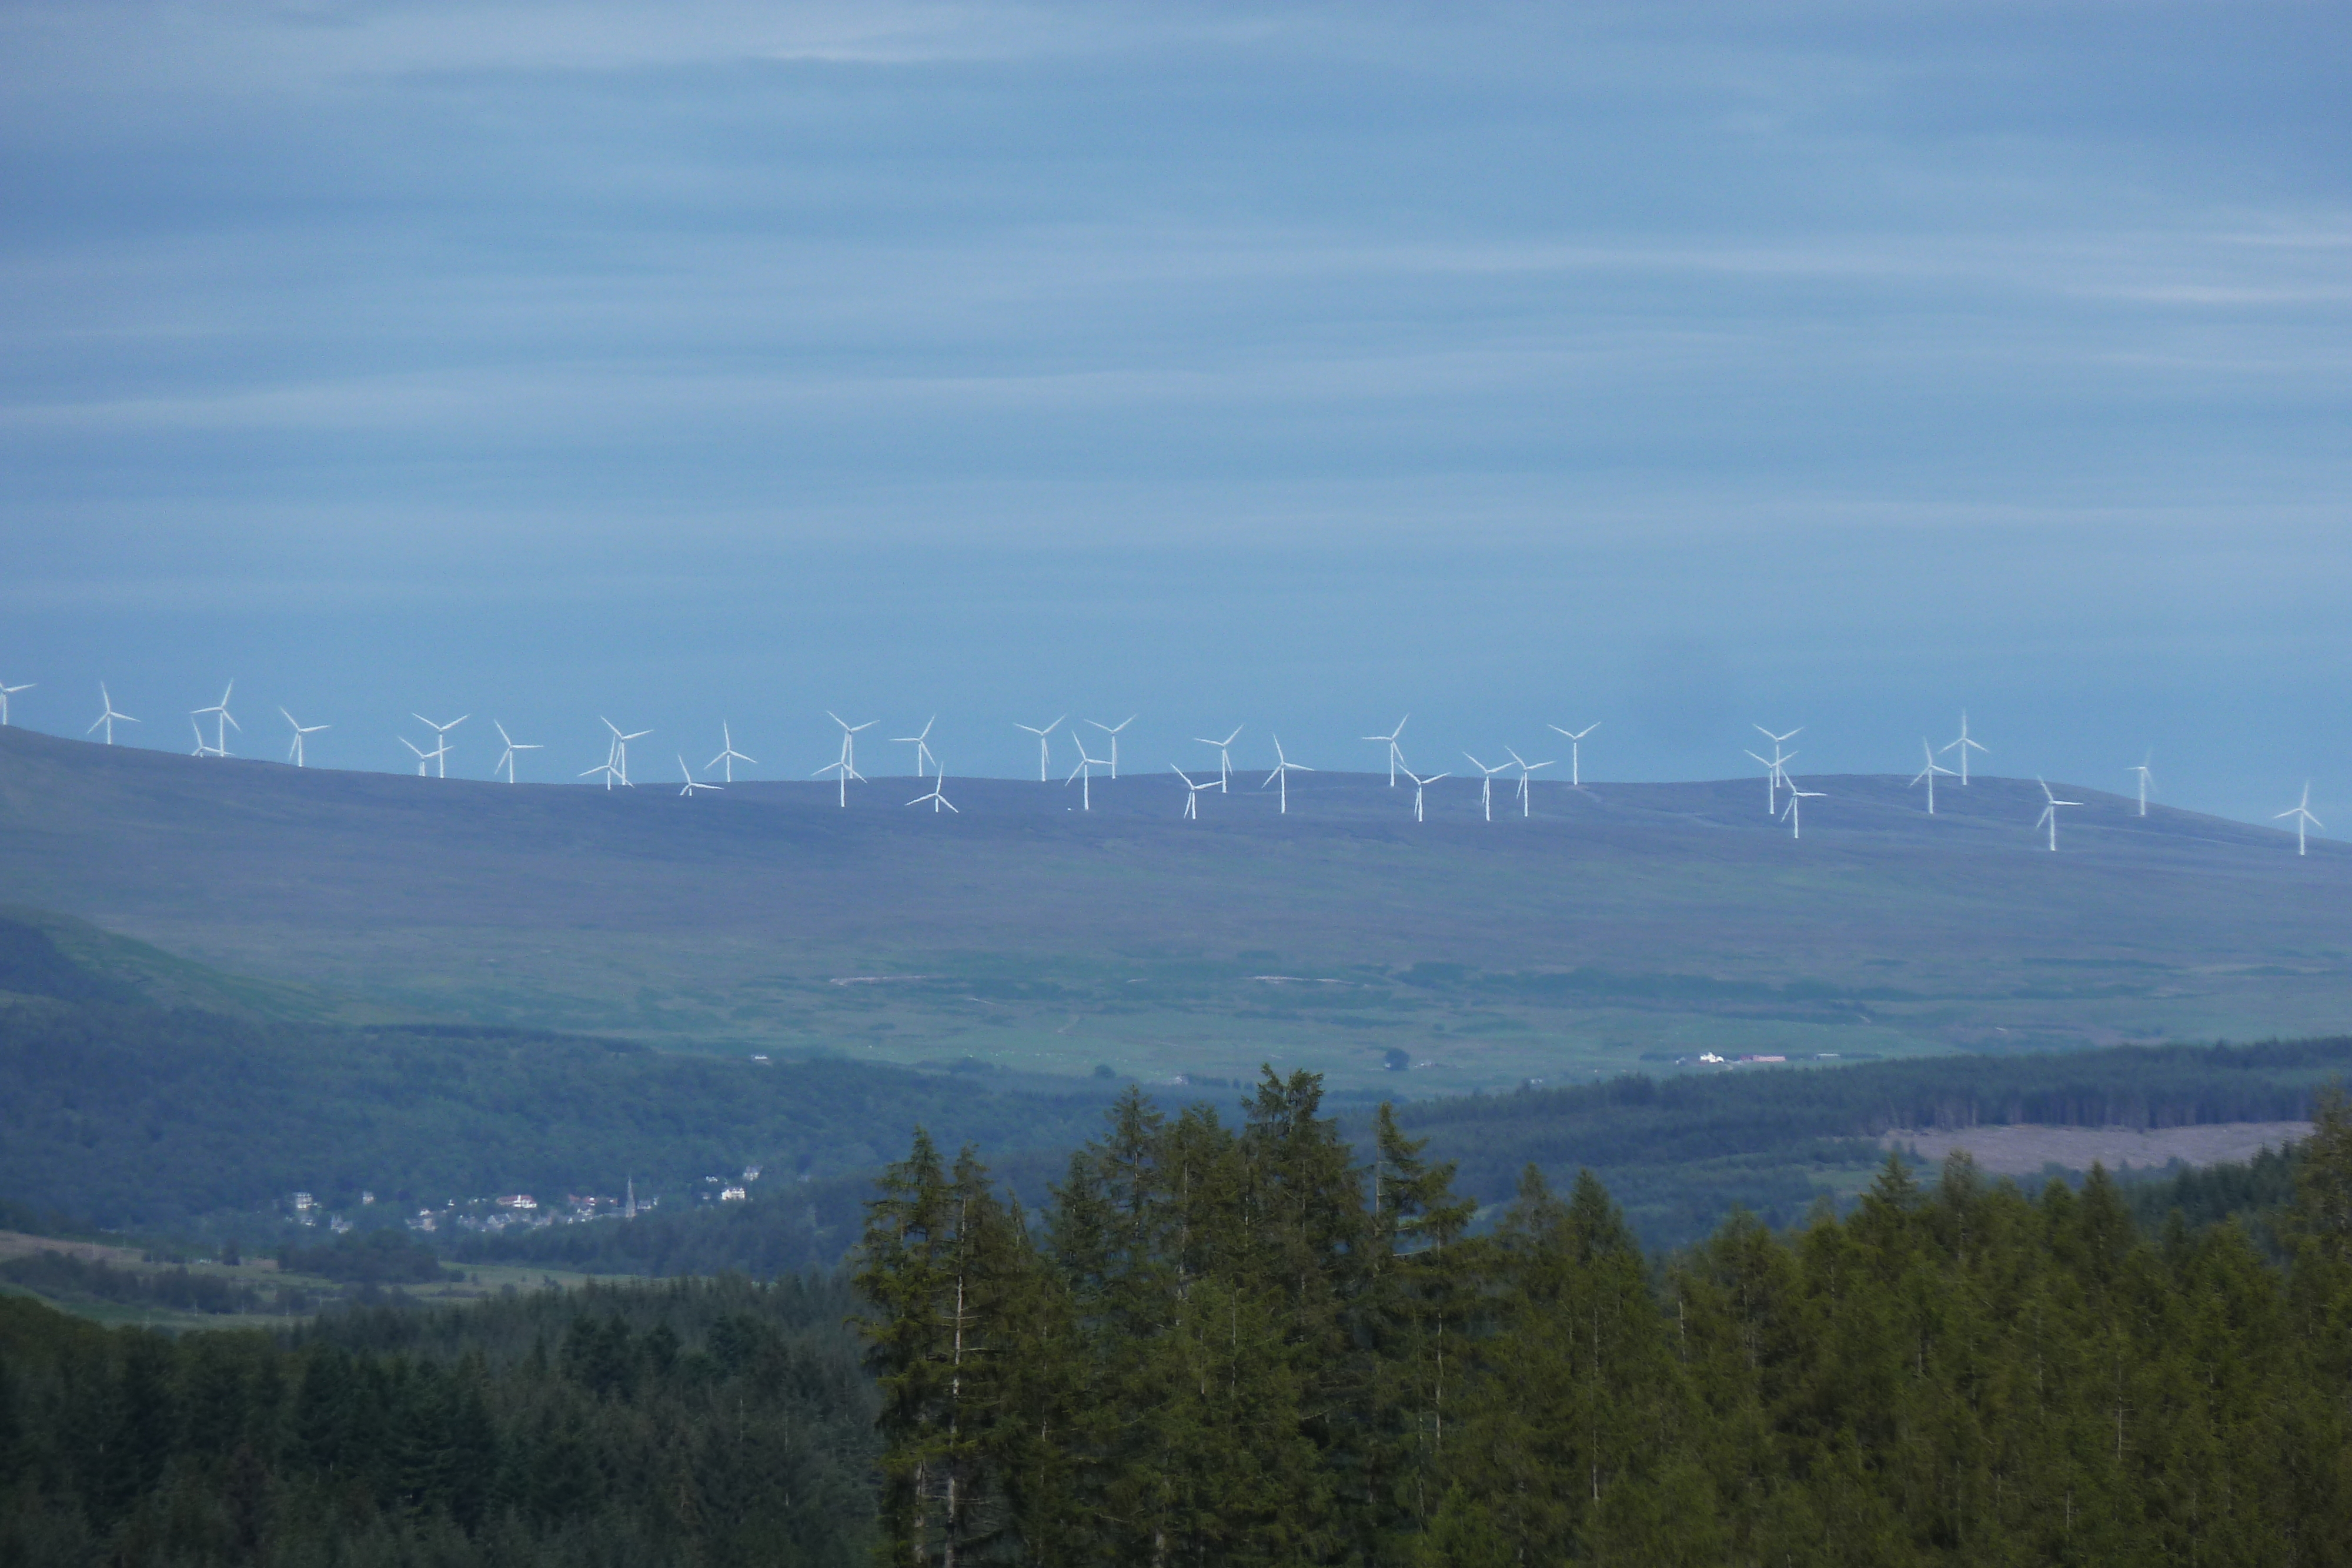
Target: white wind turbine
{"x":1964,"y":745}
{"x":1225,"y":756}
{"x":845,"y":768}
{"x":921,"y":742}
{"x":729,"y":755}
{"x":507,"y":758}
{"x":1775,"y":777}
{"x":1796,"y":800}
{"x":1045,"y":757}
{"x":1526,"y":770}
{"x":110,"y":717}
{"x":937,"y":796}
{"x":2146,"y":778}
{"x":204,"y":747}
{"x":2300,"y":812}
{"x":1192,"y":792}
{"x":1084,"y":772}
{"x":441,"y":751}
{"x":1419,"y":784}
{"x":1929,"y":773}
{"x":1396,"y":752}
{"x":1575,"y":742}
{"x":223,"y":722}
{"x":424,"y":758}
{"x":692,"y":783}
{"x":1486,"y":784}
{"x":2050,"y":811}
{"x":1282,"y":768}
{"x":1112,"y":730}
{"x":294,"y":752}
{"x":616,"y":759}
{"x":8,"y":691}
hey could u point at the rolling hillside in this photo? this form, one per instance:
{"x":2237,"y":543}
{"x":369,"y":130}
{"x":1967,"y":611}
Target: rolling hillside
{"x":1618,"y":925}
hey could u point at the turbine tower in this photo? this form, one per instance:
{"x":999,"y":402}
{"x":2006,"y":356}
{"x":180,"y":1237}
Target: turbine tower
{"x":294,"y":752}
{"x":1527,"y":769}
{"x":441,"y":751}
{"x":1775,"y":773}
{"x":1396,"y":753}
{"x":2300,"y":812}
{"x":1282,"y":768}
{"x":1486,"y":784}
{"x":424,"y":758}
{"x":1964,"y":745}
{"x":692,"y":783}
{"x":1225,"y":756}
{"x":1929,"y":773}
{"x":1084,"y":772}
{"x":1419,"y":784}
{"x":1797,"y":798}
{"x":1112,"y":730}
{"x":2049,"y":811}
{"x":223,"y":722}
{"x":2146,"y":778}
{"x":729,"y":755}
{"x":937,"y":796}
{"x":921,"y":743}
{"x":110,"y":717}
{"x":8,"y":691}
{"x":507,"y":759}
{"x":1575,"y":740}
{"x":1044,"y":759}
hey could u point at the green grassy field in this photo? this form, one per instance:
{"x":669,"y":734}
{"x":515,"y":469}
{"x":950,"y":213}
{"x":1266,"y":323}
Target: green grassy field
{"x":1617,"y":926}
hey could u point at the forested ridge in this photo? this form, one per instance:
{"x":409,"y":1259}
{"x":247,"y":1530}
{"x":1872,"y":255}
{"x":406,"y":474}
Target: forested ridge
{"x":685,"y":1422}
{"x":1238,"y":1345}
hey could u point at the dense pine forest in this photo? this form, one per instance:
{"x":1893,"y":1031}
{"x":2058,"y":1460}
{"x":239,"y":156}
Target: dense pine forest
{"x":685,"y":1422}
{"x":1236,"y":1345}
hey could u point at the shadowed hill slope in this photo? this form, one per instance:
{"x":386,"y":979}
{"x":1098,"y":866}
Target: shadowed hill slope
{"x":1617,"y":923}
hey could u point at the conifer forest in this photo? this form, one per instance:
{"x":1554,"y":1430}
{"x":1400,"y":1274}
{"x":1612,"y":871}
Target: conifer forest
{"x":1215,"y":1343}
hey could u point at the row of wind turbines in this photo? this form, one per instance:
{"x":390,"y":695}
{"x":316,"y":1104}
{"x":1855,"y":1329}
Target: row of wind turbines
{"x":615,"y":770}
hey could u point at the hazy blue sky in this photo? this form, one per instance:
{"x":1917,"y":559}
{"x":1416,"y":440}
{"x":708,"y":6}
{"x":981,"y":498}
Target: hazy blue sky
{"x":1291,"y":366}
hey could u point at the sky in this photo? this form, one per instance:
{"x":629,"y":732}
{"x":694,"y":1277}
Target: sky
{"x":1667,"y":367}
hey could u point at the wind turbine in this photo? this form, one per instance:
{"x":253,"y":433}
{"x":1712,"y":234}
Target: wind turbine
{"x":692,"y":783}
{"x":617,"y":759}
{"x":1396,"y":753}
{"x":1192,"y":793}
{"x":8,"y":691}
{"x":1965,"y":746}
{"x":1575,"y":741}
{"x":731,"y":757}
{"x":2050,"y":811}
{"x":1225,"y":756}
{"x":605,"y":767}
{"x":294,"y":753}
{"x":1527,"y":769}
{"x":110,"y":717}
{"x":2300,"y":812}
{"x":507,"y":760}
{"x":1929,"y":772}
{"x":223,"y":722}
{"x":2147,"y":778}
{"x":442,"y":750}
{"x":1419,"y":784}
{"x":1045,"y":761}
{"x":1085,"y":770}
{"x":204,"y":747}
{"x":846,"y":767}
{"x":937,"y":798}
{"x":1282,"y":768}
{"x":922,"y":745}
{"x":1486,"y":784}
{"x":425,"y":758}
{"x":1796,"y":799}
{"x":1112,"y":730}
{"x":1775,"y":773}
